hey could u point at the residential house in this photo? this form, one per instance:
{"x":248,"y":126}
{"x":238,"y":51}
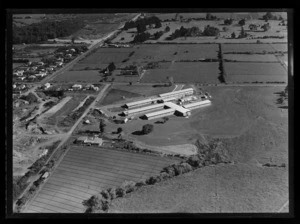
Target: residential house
{"x":47,"y":85}
{"x":77,"y":87}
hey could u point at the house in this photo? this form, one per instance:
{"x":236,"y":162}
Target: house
{"x":33,"y":68}
{"x":41,"y":74}
{"x":59,"y":63}
{"x":90,"y":140}
{"x":23,"y":86}
{"x":87,"y":122}
{"x":29,"y":63}
{"x":47,"y":85}
{"x":68,"y":55}
{"x":72,"y":49}
{"x":49,"y":69}
{"x":21,"y":78}
{"x":14,"y":86}
{"x":45,"y":175}
{"x":77,"y":86}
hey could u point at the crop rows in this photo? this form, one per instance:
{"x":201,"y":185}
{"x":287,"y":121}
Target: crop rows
{"x":85,"y":171}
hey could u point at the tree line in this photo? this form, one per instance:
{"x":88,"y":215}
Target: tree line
{"x":140,"y":24}
{"x":42,"y":31}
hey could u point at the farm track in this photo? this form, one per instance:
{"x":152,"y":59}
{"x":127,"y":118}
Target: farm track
{"x":84,"y":171}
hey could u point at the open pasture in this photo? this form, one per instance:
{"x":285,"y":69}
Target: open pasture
{"x":185,"y":72}
{"x":92,"y":76}
{"x":85,"y":171}
{"x":251,"y":72}
{"x":251,"y":57}
{"x":280,"y":47}
{"x":170,"y":52}
{"x":254,"y":48}
{"x":115,"y":94}
{"x":102,"y":57}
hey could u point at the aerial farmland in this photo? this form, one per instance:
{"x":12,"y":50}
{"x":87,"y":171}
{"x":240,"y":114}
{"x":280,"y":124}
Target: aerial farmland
{"x":151,"y":113}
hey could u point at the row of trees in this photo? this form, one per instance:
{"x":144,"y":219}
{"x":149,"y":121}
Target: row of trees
{"x":194,"y":31}
{"x":141,"y":24}
{"x":42,"y":31}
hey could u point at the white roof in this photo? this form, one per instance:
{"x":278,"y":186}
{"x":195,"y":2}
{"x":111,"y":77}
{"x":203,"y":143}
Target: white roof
{"x":160,"y":112}
{"x":198,"y":103}
{"x":169,"y":99}
{"x":140,"y":102}
{"x":176,"y":107}
{"x":169,"y":94}
{"x":144,"y":108}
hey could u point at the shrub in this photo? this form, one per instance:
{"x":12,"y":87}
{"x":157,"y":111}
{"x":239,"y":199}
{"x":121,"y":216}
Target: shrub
{"x":164,"y":175}
{"x":170,"y":170}
{"x":94,"y":202}
{"x":194,"y":161}
{"x":147,"y":128}
{"x":120,"y":192}
{"x":128,"y":186}
{"x":112,"y":192}
{"x":106,"y":195}
{"x":151,"y":181}
{"x":140,"y":183}
{"x":186,"y":167}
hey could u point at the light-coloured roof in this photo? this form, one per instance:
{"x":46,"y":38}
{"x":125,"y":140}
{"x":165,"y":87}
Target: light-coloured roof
{"x":137,"y":110}
{"x":169,"y":94}
{"x":198,"y":103}
{"x":176,"y":107}
{"x":169,"y":99}
{"x":141,"y":102}
{"x":81,"y":138}
{"x":160,"y":112}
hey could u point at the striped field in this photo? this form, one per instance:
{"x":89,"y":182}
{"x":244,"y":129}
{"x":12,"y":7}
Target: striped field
{"x":85,"y":171}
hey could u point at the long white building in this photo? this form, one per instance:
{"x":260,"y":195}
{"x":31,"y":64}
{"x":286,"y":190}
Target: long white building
{"x":197,"y":104}
{"x":143,"y":109}
{"x":160,"y":113}
{"x":178,"y":93}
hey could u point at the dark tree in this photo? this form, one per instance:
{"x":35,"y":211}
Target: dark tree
{"x":147,"y":128}
{"x":242,"y":22}
{"x":102,"y":126}
{"x":228,"y":21}
{"x":266,"y":27}
{"x":119,"y":130}
{"x":243,"y":33}
{"x":211,"y":31}
{"x":167,"y":29}
{"x":233,"y":35}
{"x":111,"y":67}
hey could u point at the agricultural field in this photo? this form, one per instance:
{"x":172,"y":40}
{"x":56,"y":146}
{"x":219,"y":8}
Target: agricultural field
{"x":253,"y":48}
{"x":251,"y":57}
{"x":90,"y":76}
{"x":252,"y":72}
{"x":100,"y":58}
{"x":185,"y":72}
{"x":170,"y":52}
{"x":85,"y":171}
